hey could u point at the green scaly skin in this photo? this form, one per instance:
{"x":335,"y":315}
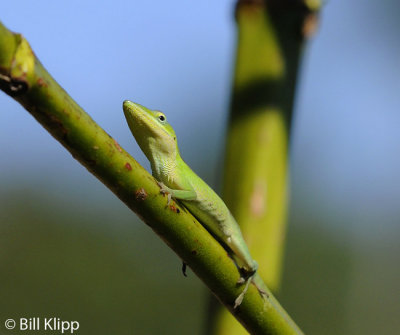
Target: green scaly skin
{"x":157,"y":140}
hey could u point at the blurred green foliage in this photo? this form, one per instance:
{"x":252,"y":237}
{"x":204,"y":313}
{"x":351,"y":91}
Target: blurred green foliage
{"x":70,"y":263}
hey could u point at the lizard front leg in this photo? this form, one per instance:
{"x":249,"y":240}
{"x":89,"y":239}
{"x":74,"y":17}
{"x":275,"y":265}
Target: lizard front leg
{"x":176,"y":194}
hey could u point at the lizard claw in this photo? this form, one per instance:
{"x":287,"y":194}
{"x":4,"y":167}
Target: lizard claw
{"x":247,"y":279}
{"x":241,"y":281}
{"x":239,"y":299}
{"x":164,"y":190}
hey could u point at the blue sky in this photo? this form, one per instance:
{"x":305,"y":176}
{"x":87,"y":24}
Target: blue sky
{"x":177,"y":57}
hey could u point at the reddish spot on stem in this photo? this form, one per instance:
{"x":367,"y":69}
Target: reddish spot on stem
{"x":41,"y":82}
{"x":117,"y":145}
{"x":175,"y":209}
{"x":57,"y":124}
{"x":128,"y":167}
{"x":65,"y":111}
{"x":141,"y":194}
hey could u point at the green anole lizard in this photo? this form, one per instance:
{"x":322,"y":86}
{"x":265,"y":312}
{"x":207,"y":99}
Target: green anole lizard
{"x":157,"y":140}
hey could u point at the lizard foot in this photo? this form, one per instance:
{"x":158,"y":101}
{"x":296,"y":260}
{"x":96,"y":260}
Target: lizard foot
{"x":164,"y":190}
{"x":246,"y":278}
{"x":240,"y":297}
{"x":264,"y":294}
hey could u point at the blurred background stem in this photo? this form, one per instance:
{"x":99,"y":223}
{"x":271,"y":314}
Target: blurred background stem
{"x":271,"y":37}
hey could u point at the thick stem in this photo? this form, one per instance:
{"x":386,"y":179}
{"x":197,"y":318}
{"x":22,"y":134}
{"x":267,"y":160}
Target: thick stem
{"x":270,"y":39}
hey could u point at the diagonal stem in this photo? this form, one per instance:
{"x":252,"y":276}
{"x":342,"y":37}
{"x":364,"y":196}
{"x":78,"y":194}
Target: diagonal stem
{"x":23,"y":77}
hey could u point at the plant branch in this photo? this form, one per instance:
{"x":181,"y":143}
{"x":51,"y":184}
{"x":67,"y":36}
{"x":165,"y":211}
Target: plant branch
{"x":23,"y":77}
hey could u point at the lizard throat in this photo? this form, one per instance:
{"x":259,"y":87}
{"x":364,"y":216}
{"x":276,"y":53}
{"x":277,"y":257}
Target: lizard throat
{"x":164,"y":169}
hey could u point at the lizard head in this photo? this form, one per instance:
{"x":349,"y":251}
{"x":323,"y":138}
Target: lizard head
{"x":151,"y":130}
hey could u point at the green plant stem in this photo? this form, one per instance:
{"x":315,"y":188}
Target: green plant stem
{"x":270,"y":38}
{"x":24,"y":78}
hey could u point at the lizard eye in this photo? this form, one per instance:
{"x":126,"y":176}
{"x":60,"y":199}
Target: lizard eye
{"x":162,"y":117}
